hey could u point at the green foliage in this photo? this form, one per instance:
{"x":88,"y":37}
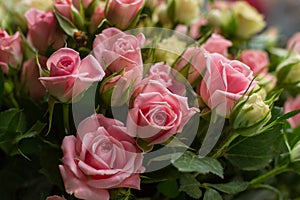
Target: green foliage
{"x":169,"y":188}
{"x":212,"y":194}
{"x":190,"y":185}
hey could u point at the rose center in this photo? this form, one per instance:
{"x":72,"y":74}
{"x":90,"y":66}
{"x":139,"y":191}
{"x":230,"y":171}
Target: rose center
{"x":122,"y":46}
{"x":105,"y":147}
{"x":160,"y":118}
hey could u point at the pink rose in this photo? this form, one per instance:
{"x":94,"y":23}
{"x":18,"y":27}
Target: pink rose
{"x":10,"y":50}
{"x":30,"y":77}
{"x":43,"y":30}
{"x":195,"y":28}
{"x":101,"y":157}
{"x":85,"y":3}
{"x":217,"y":44}
{"x":117,"y":50}
{"x":97,"y":18}
{"x":164,"y":74}
{"x":55,"y":197}
{"x":64,"y":8}
{"x":156,"y":114}
{"x":121,"y":13}
{"x":194,"y":59}
{"x":294,"y":42}
{"x":257,"y":60}
{"x":224,"y":82}
{"x":290,"y":105}
{"x":69,"y":76}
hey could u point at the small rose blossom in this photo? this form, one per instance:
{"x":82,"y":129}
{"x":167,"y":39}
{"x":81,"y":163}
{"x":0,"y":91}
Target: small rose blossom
{"x":117,"y":50}
{"x":217,"y":44}
{"x":257,"y":60}
{"x":97,"y":17}
{"x":69,"y":76}
{"x":195,"y":28}
{"x":194,"y":59}
{"x":30,"y":77}
{"x":85,"y":3}
{"x":294,"y":42}
{"x":65,"y":8}
{"x":101,"y":157}
{"x":10,"y":50}
{"x":156,"y":114}
{"x":43,"y":30}
{"x":290,"y":105}
{"x":121,"y":13}
{"x":225,"y":82}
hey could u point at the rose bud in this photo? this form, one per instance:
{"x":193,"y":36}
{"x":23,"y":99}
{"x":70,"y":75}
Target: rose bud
{"x":43,"y":30}
{"x":257,"y":60}
{"x":250,"y":115}
{"x":97,"y":17}
{"x":68,"y":75}
{"x":288,"y":71}
{"x":10,"y":50}
{"x":85,"y":3}
{"x":290,"y":105}
{"x":115,"y":90}
{"x":294,"y":42}
{"x":121,"y":13}
{"x":217,"y":44}
{"x":295,"y":153}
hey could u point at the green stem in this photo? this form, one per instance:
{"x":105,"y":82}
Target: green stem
{"x":269,"y":174}
{"x":221,"y":151}
{"x":66,"y":118}
{"x":13,"y":100}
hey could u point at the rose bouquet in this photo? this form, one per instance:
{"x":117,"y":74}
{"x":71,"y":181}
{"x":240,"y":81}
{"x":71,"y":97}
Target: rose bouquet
{"x":139,"y":99}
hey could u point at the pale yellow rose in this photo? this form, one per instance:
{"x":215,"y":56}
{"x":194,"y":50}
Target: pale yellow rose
{"x":249,"y":20}
{"x":186,"y":11}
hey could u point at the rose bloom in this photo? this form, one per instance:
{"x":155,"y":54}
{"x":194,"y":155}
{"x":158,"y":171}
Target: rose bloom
{"x":257,"y":60}
{"x":121,"y":13}
{"x":97,"y":17}
{"x":64,"y":8}
{"x":101,"y":157}
{"x":290,"y":105}
{"x":10,"y":50}
{"x":156,"y":114}
{"x":224,"y":82}
{"x":294,"y":42}
{"x":30,"y":77}
{"x":217,"y":44}
{"x":193,"y":58}
{"x":68,"y":75}
{"x":43,"y":30}
{"x":117,"y":50}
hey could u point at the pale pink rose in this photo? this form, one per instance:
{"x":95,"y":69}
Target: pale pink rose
{"x":217,"y":44}
{"x":70,"y":76}
{"x":164,"y":74}
{"x":257,"y":60}
{"x":64,"y":8}
{"x":97,"y":18}
{"x":43,"y":30}
{"x":290,"y":105}
{"x":55,"y":197}
{"x":224,"y":82}
{"x":195,"y":31}
{"x":30,"y":77}
{"x":10,"y":50}
{"x":121,"y":13}
{"x":294,"y":42}
{"x":156,"y":114}
{"x":193,"y":58}
{"x":181,"y":28}
{"x":118,"y":51}
{"x":85,"y":3}
{"x":101,"y":157}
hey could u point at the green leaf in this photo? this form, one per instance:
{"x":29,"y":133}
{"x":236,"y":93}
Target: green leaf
{"x":255,"y":152}
{"x":168,"y":188}
{"x":190,"y":162}
{"x":143,"y":145}
{"x":6,"y":118}
{"x":35,"y":130}
{"x":212,"y":194}
{"x":233,"y":187}
{"x":67,"y":26}
{"x":190,"y":185}
{"x":288,"y":115}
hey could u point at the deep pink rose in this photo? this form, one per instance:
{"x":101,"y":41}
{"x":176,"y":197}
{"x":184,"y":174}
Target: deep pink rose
{"x":290,"y":105}
{"x":69,"y":76}
{"x":217,"y":44}
{"x":64,"y":8}
{"x":224,"y":82}
{"x":10,"y":50}
{"x":55,"y":197}
{"x":164,"y":74}
{"x":257,"y":60}
{"x":118,"y":51}
{"x":43,"y":30}
{"x":121,"y":13}
{"x":294,"y":42}
{"x":30,"y":77}
{"x":156,"y":114}
{"x":101,"y":157}
{"x":194,"y":59}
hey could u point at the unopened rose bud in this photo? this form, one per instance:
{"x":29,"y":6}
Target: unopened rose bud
{"x":295,"y":153}
{"x":214,"y":17}
{"x":250,"y":115}
{"x":288,"y":71}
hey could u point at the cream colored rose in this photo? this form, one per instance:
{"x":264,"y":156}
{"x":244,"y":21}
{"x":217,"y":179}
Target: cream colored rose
{"x":288,"y":72}
{"x":249,"y":20}
{"x":186,"y":11}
